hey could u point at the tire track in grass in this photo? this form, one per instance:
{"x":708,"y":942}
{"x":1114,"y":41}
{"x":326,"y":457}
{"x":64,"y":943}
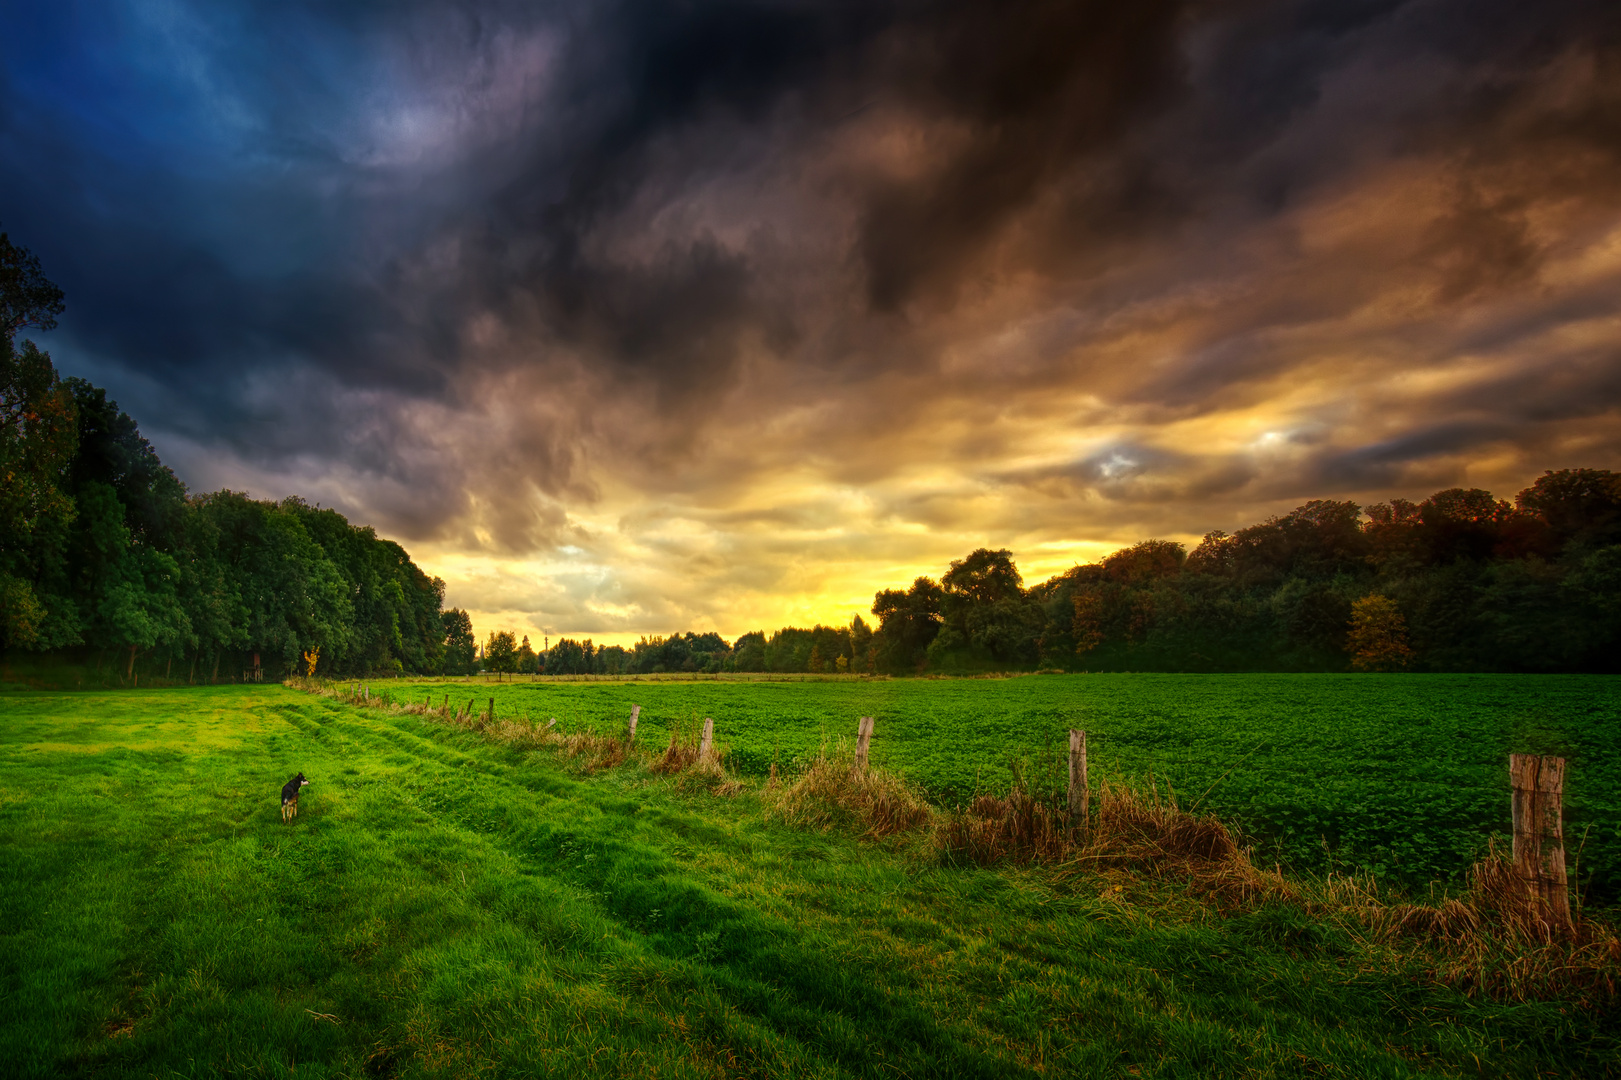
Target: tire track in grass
{"x":623,"y":877}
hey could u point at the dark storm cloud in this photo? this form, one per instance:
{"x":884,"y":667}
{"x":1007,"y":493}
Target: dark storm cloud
{"x":689,"y":286}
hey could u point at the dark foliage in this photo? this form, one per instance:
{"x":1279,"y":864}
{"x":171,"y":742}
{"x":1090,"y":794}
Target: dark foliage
{"x":103,"y":552}
{"x":1476,"y":584}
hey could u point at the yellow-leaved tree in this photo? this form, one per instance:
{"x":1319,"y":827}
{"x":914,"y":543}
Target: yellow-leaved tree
{"x":1378,"y":638}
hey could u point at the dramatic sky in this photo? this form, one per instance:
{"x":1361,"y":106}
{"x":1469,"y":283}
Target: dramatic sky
{"x":639,"y":317}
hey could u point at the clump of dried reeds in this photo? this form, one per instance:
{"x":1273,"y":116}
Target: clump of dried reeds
{"x":833,"y":792}
{"x":1126,"y":830}
{"x":696,"y":770}
{"x":708,"y":773}
{"x":1144,"y":833}
{"x":681,"y":755}
{"x":1499,"y":940}
{"x":594,"y":751}
{"x":1019,"y":828}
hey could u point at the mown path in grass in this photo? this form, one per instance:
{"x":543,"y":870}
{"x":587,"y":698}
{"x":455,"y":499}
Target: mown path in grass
{"x":1401,"y":776}
{"x":445,"y":906}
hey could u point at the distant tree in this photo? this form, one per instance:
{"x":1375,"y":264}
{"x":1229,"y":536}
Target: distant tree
{"x":1217,"y":554}
{"x":1088,"y":626}
{"x":1378,"y":638}
{"x":1395,"y":536}
{"x":748,"y":652}
{"x":907,"y":622}
{"x":501,"y":652}
{"x":1581,"y":506}
{"x":528,"y":662}
{"x":984,"y":577}
{"x":612,"y":659}
{"x":569,"y":656}
{"x":860,"y":637}
{"x":460,"y":647}
{"x":1145,"y":561}
{"x":986,"y":614}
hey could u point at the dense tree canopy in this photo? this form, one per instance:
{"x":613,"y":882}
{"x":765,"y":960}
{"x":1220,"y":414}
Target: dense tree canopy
{"x":1460,"y":582}
{"x":102,"y":549}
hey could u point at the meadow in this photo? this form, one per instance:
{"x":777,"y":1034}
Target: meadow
{"x":450,"y":905}
{"x":1401,"y":776}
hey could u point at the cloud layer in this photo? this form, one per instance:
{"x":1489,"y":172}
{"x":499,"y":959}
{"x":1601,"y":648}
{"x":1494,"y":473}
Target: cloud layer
{"x":636,"y":317}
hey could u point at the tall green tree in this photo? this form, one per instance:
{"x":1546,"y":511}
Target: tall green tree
{"x":37,"y":434}
{"x":460,"y":647}
{"x":908,"y":623}
{"x":501,"y":652}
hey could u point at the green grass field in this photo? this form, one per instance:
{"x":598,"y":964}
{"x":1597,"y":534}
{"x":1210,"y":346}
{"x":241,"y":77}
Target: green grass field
{"x":449,"y":906}
{"x":1403,"y":776}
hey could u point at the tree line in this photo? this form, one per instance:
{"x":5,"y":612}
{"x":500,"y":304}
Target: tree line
{"x":106,"y":558}
{"x":1462,"y":581}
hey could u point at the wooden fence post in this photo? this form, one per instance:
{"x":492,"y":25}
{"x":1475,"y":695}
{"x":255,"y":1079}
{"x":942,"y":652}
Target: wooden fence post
{"x":491,"y":719}
{"x":1077,"y":779}
{"x":863,"y":738}
{"x":635,"y":712}
{"x":1539,"y":836}
{"x":709,"y":738}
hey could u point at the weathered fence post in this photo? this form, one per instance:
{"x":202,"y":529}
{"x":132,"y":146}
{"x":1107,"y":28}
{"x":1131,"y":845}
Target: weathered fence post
{"x":1078,"y":805}
{"x":491,"y":719}
{"x":863,"y":738}
{"x":709,"y":738}
{"x":635,"y":712}
{"x":1539,"y":837}
{"x":368,"y":695}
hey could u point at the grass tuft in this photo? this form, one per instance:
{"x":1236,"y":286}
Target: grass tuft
{"x":1146,"y":834}
{"x":681,"y":755}
{"x":1496,"y":940}
{"x":695,"y":771}
{"x":1018,"y":829}
{"x":833,"y":794}
{"x":708,"y":774}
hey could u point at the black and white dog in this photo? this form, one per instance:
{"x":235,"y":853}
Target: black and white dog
{"x":289,"y":797}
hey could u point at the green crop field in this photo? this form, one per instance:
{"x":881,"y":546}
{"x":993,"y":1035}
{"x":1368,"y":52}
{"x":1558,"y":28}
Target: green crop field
{"x":451,"y":906}
{"x":1404,"y":776}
